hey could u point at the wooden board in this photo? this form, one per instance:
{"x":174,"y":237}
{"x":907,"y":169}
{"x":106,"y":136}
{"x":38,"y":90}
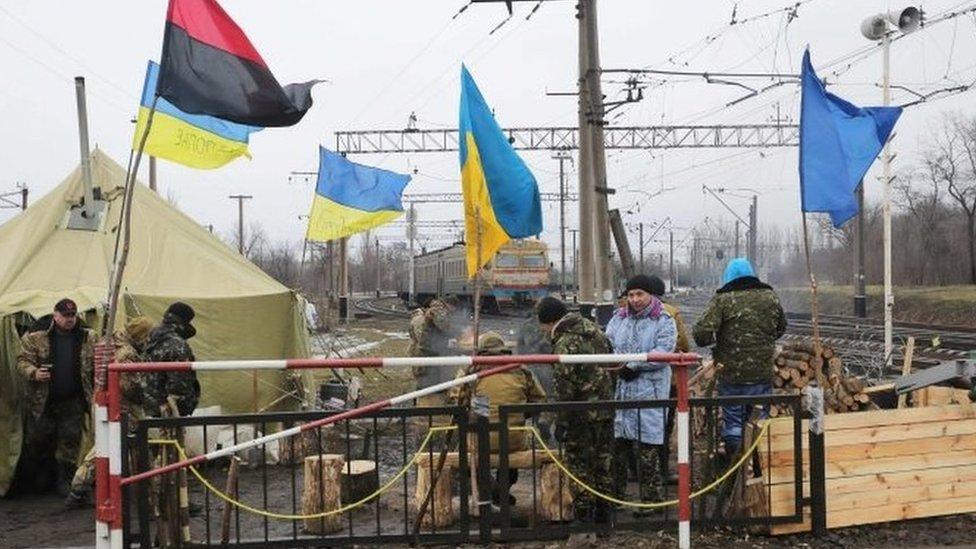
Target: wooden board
{"x":781,"y":495}
{"x":887,"y":513}
{"x":875,"y":450}
{"x":887,"y":433}
{"x":884,"y":465}
{"x":940,"y":396}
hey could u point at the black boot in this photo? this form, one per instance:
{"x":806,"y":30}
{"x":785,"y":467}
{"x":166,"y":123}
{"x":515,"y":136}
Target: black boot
{"x":66,"y":473}
{"x":77,"y":499}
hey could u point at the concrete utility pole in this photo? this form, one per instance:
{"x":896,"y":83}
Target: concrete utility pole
{"x":671,"y":258}
{"x":411,"y":236}
{"x":754,"y":231}
{"x":595,"y":122}
{"x":240,"y":198}
{"x":586,"y":271}
{"x":640,"y":240}
{"x":378,"y":264}
{"x":562,"y":157}
{"x":575,"y":262}
{"x":736,"y":238}
{"x":345,"y":312}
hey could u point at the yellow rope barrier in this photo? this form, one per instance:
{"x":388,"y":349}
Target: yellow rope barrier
{"x":281,"y":516}
{"x":644,"y":505}
{"x":562,"y":467}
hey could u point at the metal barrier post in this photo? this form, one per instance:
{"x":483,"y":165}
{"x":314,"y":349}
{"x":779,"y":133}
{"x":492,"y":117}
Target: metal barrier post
{"x":479,"y":405}
{"x":104,"y":504}
{"x":684,"y":470}
{"x":818,"y":473}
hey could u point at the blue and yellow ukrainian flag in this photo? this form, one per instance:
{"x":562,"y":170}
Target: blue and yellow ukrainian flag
{"x":194,"y":140}
{"x":499,"y":190}
{"x":351,"y":198}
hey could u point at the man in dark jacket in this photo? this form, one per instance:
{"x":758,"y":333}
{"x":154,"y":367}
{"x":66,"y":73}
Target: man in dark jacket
{"x":168,"y":343}
{"x":58,"y":364}
{"x":743,"y":321}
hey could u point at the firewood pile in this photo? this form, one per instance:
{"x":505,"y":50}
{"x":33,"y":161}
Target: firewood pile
{"x":796,"y":367}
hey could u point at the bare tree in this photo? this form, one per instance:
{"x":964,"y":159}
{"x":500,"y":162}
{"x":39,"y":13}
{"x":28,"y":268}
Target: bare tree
{"x":919,"y":193}
{"x":962,"y":185}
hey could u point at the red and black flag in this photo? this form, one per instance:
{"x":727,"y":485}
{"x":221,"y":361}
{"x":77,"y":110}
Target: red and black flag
{"x":210,"y":67}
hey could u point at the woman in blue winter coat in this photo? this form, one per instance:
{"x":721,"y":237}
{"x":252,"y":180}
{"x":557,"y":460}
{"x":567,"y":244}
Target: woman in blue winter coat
{"x":642,"y":326}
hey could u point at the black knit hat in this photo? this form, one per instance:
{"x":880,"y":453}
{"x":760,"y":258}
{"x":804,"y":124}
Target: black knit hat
{"x":181,"y":311}
{"x":657,"y":286}
{"x":550,"y":310}
{"x":641,"y":282}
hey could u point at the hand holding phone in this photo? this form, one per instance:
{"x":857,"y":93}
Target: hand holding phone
{"x":43,"y":373}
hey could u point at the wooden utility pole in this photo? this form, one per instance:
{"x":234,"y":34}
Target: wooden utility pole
{"x":152,"y":174}
{"x":240,"y":198}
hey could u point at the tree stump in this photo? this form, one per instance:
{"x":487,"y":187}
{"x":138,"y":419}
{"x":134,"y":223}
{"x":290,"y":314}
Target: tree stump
{"x":441,"y":507}
{"x":358,"y":480}
{"x":321,"y":492}
{"x":556,"y":500}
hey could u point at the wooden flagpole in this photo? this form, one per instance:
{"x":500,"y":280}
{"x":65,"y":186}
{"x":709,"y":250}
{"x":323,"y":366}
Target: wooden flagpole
{"x":119,"y":268}
{"x":464,"y":397}
{"x":814,"y":302}
{"x":477,"y":281}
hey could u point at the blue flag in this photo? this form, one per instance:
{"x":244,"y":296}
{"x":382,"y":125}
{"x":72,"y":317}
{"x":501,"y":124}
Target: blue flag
{"x":838,"y":143}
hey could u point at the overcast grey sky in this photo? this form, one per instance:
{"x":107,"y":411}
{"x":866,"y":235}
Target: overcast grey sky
{"x":387,"y":58}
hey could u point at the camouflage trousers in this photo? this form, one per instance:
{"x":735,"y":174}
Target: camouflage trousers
{"x":587,"y":447}
{"x":57,"y":433}
{"x":645,"y":461}
{"x":85,"y":473}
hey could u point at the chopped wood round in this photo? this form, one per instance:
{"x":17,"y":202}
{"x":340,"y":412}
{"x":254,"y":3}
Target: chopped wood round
{"x":320,"y":492}
{"x":359,"y":480}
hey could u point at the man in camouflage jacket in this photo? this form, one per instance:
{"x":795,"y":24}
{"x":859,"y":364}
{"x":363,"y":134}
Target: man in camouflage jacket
{"x":58,"y":364}
{"x":431,"y":329}
{"x":168,"y":343}
{"x":587,"y":436}
{"x":129,"y":344}
{"x":743,"y":321}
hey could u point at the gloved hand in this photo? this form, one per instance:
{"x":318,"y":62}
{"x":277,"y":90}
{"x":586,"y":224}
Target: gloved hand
{"x":628,"y":374}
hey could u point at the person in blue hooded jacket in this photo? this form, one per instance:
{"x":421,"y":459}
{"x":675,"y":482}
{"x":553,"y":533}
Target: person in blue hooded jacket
{"x":743,"y":320}
{"x":641,"y":326}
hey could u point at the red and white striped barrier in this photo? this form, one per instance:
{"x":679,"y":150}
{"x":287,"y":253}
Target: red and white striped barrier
{"x":109,"y":493}
{"x":108,"y":451}
{"x":684,"y":469}
{"x":391,"y":362}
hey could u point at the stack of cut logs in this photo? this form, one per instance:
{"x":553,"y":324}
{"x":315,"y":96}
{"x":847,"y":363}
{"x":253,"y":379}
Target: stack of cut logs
{"x":796,"y":367}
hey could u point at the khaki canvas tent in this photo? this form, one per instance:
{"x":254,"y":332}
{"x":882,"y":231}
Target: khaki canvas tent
{"x":241,"y":312}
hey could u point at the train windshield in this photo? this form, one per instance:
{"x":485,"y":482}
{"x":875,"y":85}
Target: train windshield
{"x":534,"y":261}
{"x":506,"y":260}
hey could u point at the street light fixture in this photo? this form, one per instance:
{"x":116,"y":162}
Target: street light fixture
{"x":881,"y":27}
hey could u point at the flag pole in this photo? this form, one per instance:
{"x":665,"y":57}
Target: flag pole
{"x":814,"y":302}
{"x":118,"y":269}
{"x":477,"y":281}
